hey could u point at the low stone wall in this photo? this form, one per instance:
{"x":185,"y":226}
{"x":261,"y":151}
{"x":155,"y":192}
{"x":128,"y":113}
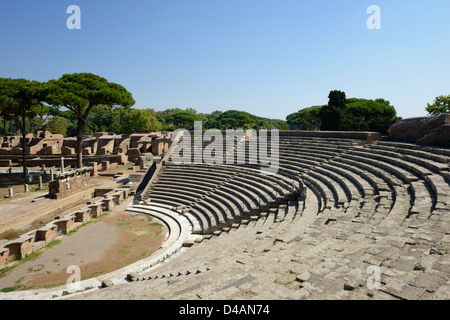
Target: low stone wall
{"x":69,"y":182}
{"x":356,"y":135}
{"x":5,"y":162}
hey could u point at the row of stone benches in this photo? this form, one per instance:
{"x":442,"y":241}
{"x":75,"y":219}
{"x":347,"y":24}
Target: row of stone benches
{"x":363,"y":208}
{"x":289,"y":162}
{"x":348,"y":174}
{"x":216,"y":195}
{"x":276,"y":217}
{"x":413,"y":191}
{"x":285,"y":143}
{"x":355,"y":173}
{"x":262,"y":237}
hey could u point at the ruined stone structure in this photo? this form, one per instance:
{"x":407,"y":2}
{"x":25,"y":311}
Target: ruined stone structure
{"x":46,"y":148}
{"x":342,"y":208}
{"x":70,"y":182}
{"x":433,"y":130}
{"x":34,"y":240}
{"x":382,"y":205}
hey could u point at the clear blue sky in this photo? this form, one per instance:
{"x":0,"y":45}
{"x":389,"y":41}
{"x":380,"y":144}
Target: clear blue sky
{"x":267,"y":57}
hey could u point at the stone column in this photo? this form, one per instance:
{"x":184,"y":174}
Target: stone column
{"x":105,"y":165}
{"x":142,"y":162}
{"x":94,"y":171}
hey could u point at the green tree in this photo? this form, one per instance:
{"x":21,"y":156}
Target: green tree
{"x":377,"y":115}
{"x":140,"y":120}
{"x":211,"y":120}
{"x":80,"y":92}
{"x":6,"y":116}
{"x":183,"y":119}
{"x":278,"y":124}
{"x":233,"y":119}
{"x":57,"y":125}
{"x":383,"y":101}
{"x":305,"y":119}
{"x":21,"y":99}
{"x":352,"y":122}
{"x":331,"y":118}
{"x":37,"y":123}
{"x":331,"y":115}
{"x":296,"y":121}
{"x":440,"y":105}
{"x":337,"y":98}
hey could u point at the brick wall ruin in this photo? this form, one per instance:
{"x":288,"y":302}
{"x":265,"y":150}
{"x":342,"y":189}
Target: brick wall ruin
{"x":70,"y":182}
{"x":46,"y":148}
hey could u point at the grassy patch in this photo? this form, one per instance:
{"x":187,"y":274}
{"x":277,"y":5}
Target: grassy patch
{"x":137,"y":238}
{"x":9,"y":289}
{"x":37,"y":268}
{"x":124,"y":250}
{"x":92,"y":220}
{"x":52,"y":285}
{"x":93,"y":275}
{"x":53,"y":243}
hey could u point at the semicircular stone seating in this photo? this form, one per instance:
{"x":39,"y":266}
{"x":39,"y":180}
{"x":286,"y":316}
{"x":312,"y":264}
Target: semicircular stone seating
{"x":381,"y":204}
{"x":214,"y":197}
{"x":342,"y":218}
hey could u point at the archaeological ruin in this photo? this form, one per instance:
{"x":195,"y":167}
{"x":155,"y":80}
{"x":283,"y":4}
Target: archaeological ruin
{"x":348,"y":215}
{"x":47,"y":149}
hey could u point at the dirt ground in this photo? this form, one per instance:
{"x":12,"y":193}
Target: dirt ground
{"x":28,"y":211}
{"x":17,"y":182}
{"x":105,"y":244}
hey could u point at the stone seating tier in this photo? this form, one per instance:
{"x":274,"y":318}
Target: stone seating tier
{"x":382,"y":204}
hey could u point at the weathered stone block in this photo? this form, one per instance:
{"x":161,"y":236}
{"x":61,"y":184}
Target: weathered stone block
{"x":108,"y":203}
{"x":65,"y":225}
{"x":439,"y":136}
{"x":105,"y":165}
{"x":96,"y":209}
{"x":134,"y":154}
{"x":47,"y":234}
{"x":414,"y":129}
{"x":67,"y":150}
